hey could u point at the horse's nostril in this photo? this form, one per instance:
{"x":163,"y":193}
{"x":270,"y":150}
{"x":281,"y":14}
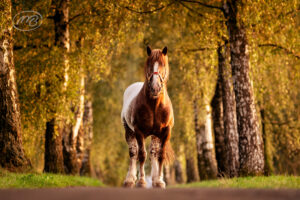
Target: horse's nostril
{"x":155,"y":89}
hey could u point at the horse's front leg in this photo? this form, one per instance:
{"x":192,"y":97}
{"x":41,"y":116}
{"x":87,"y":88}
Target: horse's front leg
{"x":133,"y":154}
{"x":155,"y":148}
{"x":142,"y":157}
{"x":158,"y":152}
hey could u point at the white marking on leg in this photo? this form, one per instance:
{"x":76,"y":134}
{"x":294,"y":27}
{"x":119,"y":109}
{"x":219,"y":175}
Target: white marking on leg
{"x":154,"y":151}
{"x":131,"y":175}
{"x":157,"y":169}
{"x":154,"y":168}
{"x":160,"y":172}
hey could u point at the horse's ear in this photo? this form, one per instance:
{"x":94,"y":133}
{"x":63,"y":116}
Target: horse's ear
{"x":149,"y":50}
{"x":165,"y":50}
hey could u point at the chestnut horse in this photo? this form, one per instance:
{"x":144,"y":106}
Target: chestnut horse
{"x":147,"y":110}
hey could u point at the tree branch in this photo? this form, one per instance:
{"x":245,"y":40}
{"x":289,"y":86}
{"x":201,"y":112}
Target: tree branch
{"x":197,"y":49}
{"x":287,"y":51}
{"x":281,"y":123}
{"x":190,"y":9}
{"x":75,"y":16}
{"x":203,"y":4}
{"x":148,"y":11}
{"x":94,"y":13}
{"x":30,"y":46}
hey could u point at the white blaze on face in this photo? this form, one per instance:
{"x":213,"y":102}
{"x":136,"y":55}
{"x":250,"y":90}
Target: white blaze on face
{"x":155,"y":76}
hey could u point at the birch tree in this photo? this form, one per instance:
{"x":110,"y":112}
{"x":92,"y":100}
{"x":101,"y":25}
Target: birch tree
{"x":229,"y":114}
{"x":12,"y":155}
{"x":250,"y":140}
{"x":54,"y":160}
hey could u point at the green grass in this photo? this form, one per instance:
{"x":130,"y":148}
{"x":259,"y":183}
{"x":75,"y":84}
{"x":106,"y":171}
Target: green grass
{"x":32,"y":180}
{"x":274,"y":182}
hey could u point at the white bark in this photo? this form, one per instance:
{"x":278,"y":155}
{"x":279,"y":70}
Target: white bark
{"x":79,"y":114}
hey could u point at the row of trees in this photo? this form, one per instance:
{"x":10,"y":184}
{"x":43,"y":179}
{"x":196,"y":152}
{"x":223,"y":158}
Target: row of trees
{"x":72,"y":71}
{"x":54,"y":92}
{"x":240,"y":149}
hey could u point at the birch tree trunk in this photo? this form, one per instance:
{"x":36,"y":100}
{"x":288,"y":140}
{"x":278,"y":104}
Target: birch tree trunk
{"x":169,"y":175}
{"x":84,"y":147}
{"x":73,"y":137}
{"x":53,"y":149}
{"x":229,"y":114}
{"x":218,"y":126}
{"x":207,"y":164}
{"x":178,"y":172}
{"x":269,"y":169}
{"x":54,"y":161}
{"x":12,"y":155}
{"x":250,"y":141}
{"x":191,"y":170}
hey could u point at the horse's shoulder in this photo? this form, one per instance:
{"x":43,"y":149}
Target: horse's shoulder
{"x":167,"y":112}
{"x":167,"y":104}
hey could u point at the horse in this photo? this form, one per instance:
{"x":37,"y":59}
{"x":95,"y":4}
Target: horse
{"x":147,"y":111}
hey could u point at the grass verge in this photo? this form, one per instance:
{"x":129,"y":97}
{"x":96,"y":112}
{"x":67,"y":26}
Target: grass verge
{"x":46,"y":180}
{"x":274,"y":182}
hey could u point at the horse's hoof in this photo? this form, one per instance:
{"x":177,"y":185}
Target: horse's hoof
{"x":128,"y":184}
{"x":159,"y":184}
{"x":141,"y":183}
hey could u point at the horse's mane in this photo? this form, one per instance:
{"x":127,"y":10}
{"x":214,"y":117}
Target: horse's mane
{"x":156,"y":56}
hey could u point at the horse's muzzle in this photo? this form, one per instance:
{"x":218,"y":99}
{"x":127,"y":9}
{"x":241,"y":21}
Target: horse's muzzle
{"x":155,"y":91}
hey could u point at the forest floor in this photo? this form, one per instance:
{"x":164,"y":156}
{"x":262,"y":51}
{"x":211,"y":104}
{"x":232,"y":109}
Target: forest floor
{"x":45,"y":180}
{"x":270,"y":182}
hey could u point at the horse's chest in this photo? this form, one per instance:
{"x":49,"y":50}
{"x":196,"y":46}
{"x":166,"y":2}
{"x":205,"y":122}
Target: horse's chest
{"x":152,"y":121}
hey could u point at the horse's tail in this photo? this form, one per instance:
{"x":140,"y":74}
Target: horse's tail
{"x":169,"y":153}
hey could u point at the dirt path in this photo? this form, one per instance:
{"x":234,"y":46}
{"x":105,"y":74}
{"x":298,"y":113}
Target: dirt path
{"x":147,"y":194}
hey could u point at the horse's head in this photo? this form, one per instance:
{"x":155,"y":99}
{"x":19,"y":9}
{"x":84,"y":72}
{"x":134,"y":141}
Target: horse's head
{"x":156,"y":70}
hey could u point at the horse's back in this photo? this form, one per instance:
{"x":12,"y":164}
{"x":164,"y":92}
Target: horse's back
{"x":130,"y":93}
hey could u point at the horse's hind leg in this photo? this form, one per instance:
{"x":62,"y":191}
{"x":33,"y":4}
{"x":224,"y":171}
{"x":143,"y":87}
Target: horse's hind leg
{"x":133,"y":153}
